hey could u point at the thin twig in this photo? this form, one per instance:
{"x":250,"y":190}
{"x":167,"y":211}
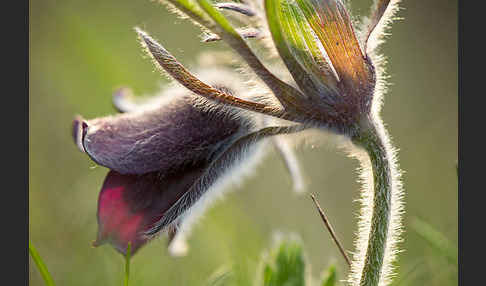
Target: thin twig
{"x":331,"y":230}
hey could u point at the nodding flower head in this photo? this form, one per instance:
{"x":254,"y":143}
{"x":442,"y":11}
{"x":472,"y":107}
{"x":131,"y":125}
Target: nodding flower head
{"x":163,"y":156}
{"x":167,"y":155}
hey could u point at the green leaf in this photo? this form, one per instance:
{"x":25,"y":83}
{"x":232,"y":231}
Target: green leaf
{"x":330,"y":277}
{"x":268,"y":275}
{"x":286,"y":266}
{"x":40,"y":265}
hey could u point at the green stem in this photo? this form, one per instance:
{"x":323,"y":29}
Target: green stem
{"x":374,"y":144}
{"x":40,"y":265}
{"x":127,"y":263}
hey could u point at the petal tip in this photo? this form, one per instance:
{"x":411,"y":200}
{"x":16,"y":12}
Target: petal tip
{"x":96,"y":243}
{"x":139,"y":31}
{"x":156,"y":49}
{"x":79,"y":130}
{"x":178,"y":248}
{"x":122,"y":99}
{"x":142,"y":34}
{"x":122,"y":92}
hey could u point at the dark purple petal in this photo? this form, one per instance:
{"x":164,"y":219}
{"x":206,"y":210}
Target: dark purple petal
{"x":79,"y":131}
{"x":117,"y":222}
{"x":133,"y":208}
{"x":123,"y":100}
{"x":143,"y":141}
{"x":229,"y":157}
{"x":130,"y":205}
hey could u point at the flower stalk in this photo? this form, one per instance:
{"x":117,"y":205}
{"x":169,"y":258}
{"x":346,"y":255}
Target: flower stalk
{"x":374,"y":144}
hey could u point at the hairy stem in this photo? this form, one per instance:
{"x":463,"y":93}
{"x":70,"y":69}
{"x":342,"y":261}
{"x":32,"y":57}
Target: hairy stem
{"x":375,"y":144}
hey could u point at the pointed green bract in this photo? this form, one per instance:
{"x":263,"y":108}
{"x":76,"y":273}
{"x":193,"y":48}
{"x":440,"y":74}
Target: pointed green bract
{"x":177,"y":71}
{"x":380,"y":8}
{"x":193,"y":11}
{"x":301,"y":77}
{"x":40,"y":265}
{"x":381,"y":16}
{"x":218,"y":17}
{"x":289,"y":97}
{"x":305,"y":48}
{"x":297,"y":45}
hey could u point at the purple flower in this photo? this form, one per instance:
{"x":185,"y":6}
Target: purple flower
{"x":164,"y":156}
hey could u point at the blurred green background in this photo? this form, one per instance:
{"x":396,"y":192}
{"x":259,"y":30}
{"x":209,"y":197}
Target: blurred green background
{"x":80,"y":51}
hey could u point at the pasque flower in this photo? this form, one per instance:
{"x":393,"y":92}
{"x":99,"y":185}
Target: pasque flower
{"x":164,"y":156}
{"x":333,"y":80}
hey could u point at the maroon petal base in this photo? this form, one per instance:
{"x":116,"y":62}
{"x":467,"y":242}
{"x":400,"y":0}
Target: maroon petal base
{"x":119,"y":222}
{"x":130,"y":205}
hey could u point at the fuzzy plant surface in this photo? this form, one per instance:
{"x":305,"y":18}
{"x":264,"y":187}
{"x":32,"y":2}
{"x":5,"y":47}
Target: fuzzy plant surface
{"x":320,"y":68}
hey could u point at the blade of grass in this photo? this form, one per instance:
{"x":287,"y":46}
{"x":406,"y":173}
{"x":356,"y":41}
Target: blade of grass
{"x":220,"y":277}
{"x":40,"y":265}
{"x":408,"y":274}
{"x":436,"y":239}
{"x":127,"y":263}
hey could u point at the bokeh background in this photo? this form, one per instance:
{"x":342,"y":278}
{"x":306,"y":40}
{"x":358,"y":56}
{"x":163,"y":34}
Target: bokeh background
{"x":80,"y":51}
